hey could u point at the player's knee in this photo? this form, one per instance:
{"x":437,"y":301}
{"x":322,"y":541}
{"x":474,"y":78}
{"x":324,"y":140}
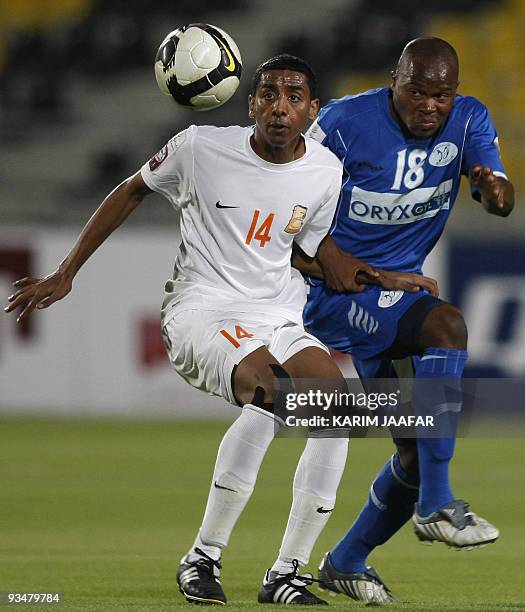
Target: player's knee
{"x":409,"y":459}
{"x":444,"y":327}
{"x":272,"y":381}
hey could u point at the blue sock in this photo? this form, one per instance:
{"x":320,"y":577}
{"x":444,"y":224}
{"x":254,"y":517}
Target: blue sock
{"x":441,"y":398}
{"x":390,"y":504}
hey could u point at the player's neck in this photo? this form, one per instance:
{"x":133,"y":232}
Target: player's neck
{"x":278,"y":154}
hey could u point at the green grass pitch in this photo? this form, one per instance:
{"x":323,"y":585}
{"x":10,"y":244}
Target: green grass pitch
{"x":102,"y":512}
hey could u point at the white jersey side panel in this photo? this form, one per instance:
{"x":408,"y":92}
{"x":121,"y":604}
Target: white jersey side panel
{"x":239,"y":218}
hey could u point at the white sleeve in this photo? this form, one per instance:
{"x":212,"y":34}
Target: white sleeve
{"x":318,"y":225}
{"x":316,"y":132}
{"x":170,"y":171}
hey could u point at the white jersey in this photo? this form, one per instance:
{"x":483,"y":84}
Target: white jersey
{"x":239,"y":217}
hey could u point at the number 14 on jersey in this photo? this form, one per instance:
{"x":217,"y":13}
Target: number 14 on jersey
{"x":260,"y":232}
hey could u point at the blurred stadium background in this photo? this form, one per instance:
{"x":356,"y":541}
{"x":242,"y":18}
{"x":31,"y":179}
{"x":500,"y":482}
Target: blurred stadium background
{"x":80,"y":110}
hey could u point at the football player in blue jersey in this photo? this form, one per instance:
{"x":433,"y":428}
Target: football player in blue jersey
{"x":404,"y":149}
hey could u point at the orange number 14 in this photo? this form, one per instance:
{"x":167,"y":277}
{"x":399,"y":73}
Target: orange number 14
{"x":262,"y":234}
{"x":240,"y":333}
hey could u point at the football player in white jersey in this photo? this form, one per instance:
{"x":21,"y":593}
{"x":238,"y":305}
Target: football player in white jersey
{"x":232,"y":315}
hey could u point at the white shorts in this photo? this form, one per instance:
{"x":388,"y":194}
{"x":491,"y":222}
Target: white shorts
{"x":204,"y":346}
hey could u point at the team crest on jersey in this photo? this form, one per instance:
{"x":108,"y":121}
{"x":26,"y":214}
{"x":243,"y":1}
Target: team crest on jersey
{"x":157,"y":160}
{"x":389,"y":298}
{"x":442,"y":154}
{"x":296,"y":222}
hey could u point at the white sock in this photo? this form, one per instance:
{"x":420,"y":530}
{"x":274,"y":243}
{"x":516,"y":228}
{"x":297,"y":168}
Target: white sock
{"x":315,"y":486}
{"x":212,"y":551}
{"x":238,"y":461}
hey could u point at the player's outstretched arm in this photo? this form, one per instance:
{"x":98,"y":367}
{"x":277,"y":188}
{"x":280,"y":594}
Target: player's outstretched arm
{"x":389,"y":280}
{"x":497,"y":193}
{"x":40,"y":293}
{"x":340,"y":269}
{"x":411,"y":282}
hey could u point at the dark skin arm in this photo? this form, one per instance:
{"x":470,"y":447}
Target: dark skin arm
{"x":391,"y":281}
{"x":339,"y":268}
{"x":497,"y":193}
{"x":40,"y":293}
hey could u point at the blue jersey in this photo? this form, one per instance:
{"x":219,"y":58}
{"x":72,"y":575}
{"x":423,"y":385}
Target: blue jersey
{"x":398,"y":191}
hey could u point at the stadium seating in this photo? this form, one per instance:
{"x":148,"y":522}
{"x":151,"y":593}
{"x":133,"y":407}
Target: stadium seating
{"x":81,"y":63}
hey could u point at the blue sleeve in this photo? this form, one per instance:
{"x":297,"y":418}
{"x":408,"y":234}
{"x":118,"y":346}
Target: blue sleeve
{"x":327,"y":129}
{"x":481,"y":142}
{"x":481,"y":145}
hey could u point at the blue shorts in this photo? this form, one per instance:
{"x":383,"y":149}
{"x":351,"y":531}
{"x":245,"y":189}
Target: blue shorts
{"x":365,"y":324}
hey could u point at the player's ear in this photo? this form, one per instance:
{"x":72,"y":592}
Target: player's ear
{"x":251,"y":106}
{"x":393,"y":78}
{"x":314,"y":108}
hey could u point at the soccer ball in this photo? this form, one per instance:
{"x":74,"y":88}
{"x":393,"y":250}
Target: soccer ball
{"x":199,"y":66}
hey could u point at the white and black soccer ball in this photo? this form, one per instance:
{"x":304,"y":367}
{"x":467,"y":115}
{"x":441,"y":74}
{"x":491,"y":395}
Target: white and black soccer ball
{"x":199,"y":66}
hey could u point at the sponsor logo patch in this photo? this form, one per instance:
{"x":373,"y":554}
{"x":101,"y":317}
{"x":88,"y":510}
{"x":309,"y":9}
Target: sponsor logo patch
{"x":368,"y":164}
{"x":218,"y":486}
{"x":389,"y":298}
{"x":395,"y":209}
{"x":442,"y":154}
{"x":219,"y":205}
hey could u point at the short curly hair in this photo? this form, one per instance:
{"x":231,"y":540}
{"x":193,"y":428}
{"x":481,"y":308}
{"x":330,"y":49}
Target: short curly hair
{"x":285,"y":61}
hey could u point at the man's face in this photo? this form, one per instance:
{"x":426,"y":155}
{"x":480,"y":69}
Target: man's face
{"x":423,"y":95}
{"x":282,"y":106}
